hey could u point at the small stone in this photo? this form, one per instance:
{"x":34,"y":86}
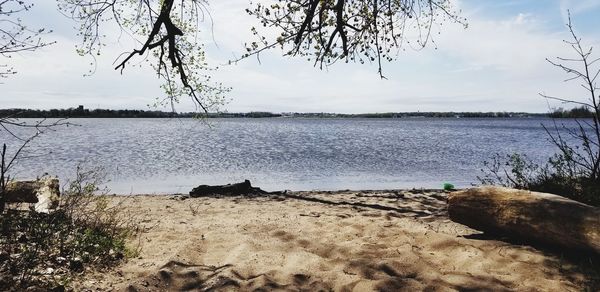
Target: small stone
{"x":4,"y":256}
{"x":76,"y":264}
{"x":60,"y":260}
{"x":59,"y":288}
{"x":118,"y":255}
{"x":49,"y":271}
{"x":22,"y":238}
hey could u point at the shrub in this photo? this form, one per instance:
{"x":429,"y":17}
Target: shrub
{"x":44,"y":251}
{"x":556,"y":177}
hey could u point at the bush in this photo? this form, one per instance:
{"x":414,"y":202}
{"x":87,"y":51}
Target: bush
{"x":44,"y":251}
{"x":556,"y":177}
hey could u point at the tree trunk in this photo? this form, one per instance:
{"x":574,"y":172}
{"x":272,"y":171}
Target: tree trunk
{"x":243,"y":188}
{"x":533,"y":216}
{"x":22,"y":191}
{"x":44,"y":193}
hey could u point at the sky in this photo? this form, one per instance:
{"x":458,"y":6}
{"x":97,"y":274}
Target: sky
{"x":496,"y":64}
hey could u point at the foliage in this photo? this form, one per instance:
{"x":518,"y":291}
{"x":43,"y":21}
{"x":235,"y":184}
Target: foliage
{"x":556,"y":177}
{"x":46,"y":250}
{"x":167,"y":31}
{"x":349,"y":30}
{"x":513,"y":170}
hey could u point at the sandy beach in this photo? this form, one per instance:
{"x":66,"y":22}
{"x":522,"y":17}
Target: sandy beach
{"x":322,"y":241}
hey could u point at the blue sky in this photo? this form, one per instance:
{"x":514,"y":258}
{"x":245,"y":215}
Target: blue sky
{"x":496,"y":64}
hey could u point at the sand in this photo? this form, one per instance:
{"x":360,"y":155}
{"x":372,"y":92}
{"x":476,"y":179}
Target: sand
{"x":341,"y":241}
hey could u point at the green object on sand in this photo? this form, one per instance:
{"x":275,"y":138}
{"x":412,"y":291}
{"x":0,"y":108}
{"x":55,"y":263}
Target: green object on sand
{"x":448,"y":187}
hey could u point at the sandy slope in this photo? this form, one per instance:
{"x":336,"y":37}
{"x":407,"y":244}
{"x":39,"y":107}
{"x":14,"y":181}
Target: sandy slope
{"x":344,"y":241}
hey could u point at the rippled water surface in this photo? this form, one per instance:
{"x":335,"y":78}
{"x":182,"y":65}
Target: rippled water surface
{"x":173,"y":155}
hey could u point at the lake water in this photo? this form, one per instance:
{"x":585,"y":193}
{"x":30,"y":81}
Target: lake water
{"x":174,"y":155}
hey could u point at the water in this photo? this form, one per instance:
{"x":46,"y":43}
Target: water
{"x":174,"y":155}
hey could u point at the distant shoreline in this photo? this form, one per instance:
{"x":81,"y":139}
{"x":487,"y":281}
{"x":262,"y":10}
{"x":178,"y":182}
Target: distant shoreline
{"x":81,"y":112}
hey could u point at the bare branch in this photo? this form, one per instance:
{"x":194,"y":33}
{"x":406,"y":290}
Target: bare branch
{"x":585,"y":158}
{"x":563,"y":100}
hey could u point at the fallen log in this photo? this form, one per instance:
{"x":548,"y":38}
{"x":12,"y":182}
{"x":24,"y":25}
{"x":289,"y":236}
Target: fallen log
{"x":243,"y":188}
{"x":531,"y":216}
{"x":44,"y":193}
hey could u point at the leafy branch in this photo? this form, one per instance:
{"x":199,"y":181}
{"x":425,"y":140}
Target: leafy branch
{"x":15,"y":36}
{"x":165,"y":31}
{"x":349,"y":30}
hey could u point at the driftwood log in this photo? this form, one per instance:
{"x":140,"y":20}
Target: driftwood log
{"x":537,"y":217}
{"x":44,"y":193}
{"x":243,"y":188}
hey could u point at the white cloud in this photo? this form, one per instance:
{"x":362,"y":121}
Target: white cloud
{"x":518,"y":45}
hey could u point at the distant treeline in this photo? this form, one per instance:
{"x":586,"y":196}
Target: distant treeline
{"x":81,"y":112}
{"x":578,"y":112}
{"x":419,"y":114}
